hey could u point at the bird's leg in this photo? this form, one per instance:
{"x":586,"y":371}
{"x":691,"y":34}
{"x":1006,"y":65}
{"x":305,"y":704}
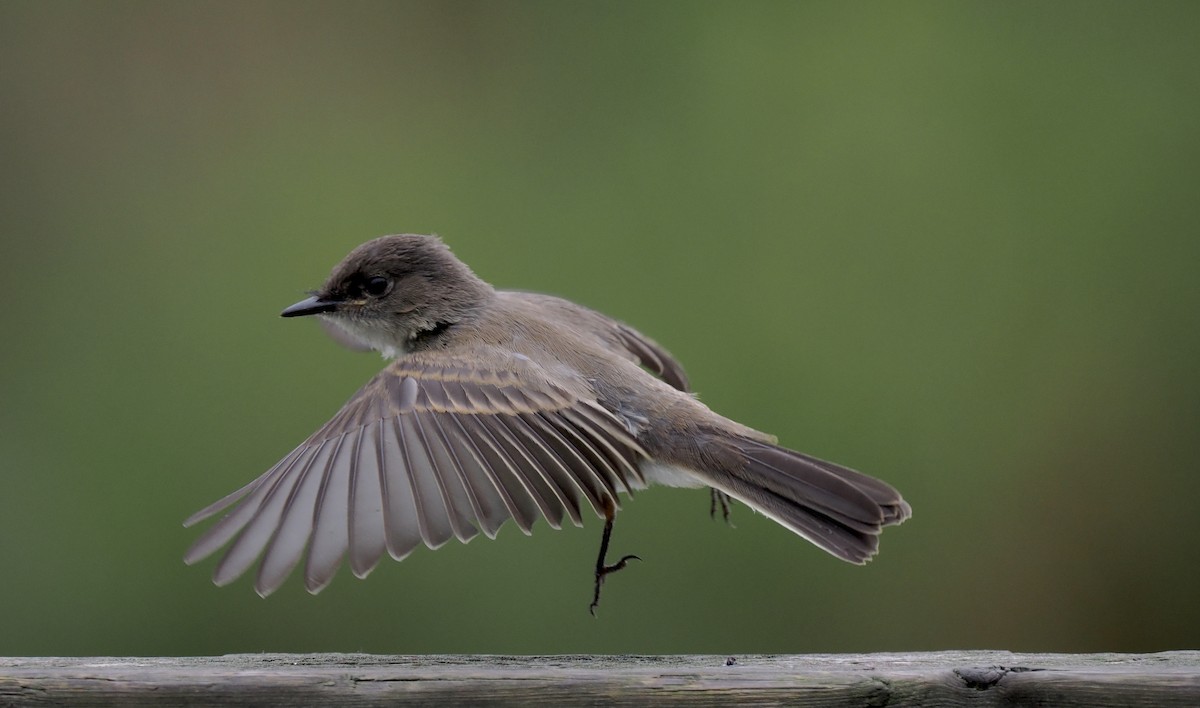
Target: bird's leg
{"x":724,"y":500}
{"x":602,"y":569}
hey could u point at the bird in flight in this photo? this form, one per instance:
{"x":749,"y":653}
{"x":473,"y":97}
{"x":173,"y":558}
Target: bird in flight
{"x":499,"y":405}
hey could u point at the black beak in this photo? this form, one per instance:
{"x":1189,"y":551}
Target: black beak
{"x":312,"y":306}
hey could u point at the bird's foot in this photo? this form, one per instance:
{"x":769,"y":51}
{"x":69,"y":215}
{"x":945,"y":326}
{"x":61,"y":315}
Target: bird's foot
{"x":601,"y":572}
{"x":724,"y":501}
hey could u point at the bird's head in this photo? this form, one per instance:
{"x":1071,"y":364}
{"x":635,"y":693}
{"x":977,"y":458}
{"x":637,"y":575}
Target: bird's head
{"x":389,"y":292}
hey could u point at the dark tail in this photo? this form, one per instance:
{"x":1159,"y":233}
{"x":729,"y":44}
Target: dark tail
{"x":840,"y":510}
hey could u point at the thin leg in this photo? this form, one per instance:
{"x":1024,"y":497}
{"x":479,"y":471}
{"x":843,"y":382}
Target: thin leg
{"x":601,"y":569}
{"x":719,"y":498}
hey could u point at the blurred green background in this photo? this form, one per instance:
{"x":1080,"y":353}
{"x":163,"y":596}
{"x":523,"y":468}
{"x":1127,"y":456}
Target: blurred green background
{"x":950,"y":244}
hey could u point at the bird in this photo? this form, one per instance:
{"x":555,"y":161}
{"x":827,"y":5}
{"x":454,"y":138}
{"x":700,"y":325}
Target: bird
{"x":500,"y":405}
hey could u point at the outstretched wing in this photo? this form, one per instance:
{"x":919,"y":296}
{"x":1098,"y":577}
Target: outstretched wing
{"x":426,"y":451}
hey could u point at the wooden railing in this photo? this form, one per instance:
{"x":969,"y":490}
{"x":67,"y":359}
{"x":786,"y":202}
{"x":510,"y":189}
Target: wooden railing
{"x":947,"y":678}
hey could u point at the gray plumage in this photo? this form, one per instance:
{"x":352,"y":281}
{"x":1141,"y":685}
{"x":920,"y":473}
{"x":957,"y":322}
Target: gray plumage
{"x":503,"y":405}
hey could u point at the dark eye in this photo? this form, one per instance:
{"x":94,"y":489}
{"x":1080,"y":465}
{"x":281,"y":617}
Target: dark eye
{"x":376,"y":286}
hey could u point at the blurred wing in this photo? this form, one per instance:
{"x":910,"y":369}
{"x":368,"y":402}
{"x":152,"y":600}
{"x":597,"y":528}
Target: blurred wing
{"x":424,"y":452}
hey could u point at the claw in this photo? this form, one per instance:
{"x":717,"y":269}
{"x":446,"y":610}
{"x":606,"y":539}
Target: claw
{"x":717,"y":497}
{"x":620,"y":564}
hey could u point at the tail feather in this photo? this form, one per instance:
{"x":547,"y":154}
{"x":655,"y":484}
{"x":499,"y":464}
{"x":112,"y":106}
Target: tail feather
{"x":895,"y":508}
{"x":838,"y":509}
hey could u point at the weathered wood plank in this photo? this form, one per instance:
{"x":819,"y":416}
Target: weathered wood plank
{"x":949,"y":678}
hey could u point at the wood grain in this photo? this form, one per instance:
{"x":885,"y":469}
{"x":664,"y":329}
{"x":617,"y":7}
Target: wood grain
{"x":948,"y":678}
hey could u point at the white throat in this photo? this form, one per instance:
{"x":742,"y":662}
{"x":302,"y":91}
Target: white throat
{"x":360,"y":336}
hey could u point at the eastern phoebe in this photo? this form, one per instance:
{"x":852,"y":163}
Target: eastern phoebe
{"x":496,"y":405}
